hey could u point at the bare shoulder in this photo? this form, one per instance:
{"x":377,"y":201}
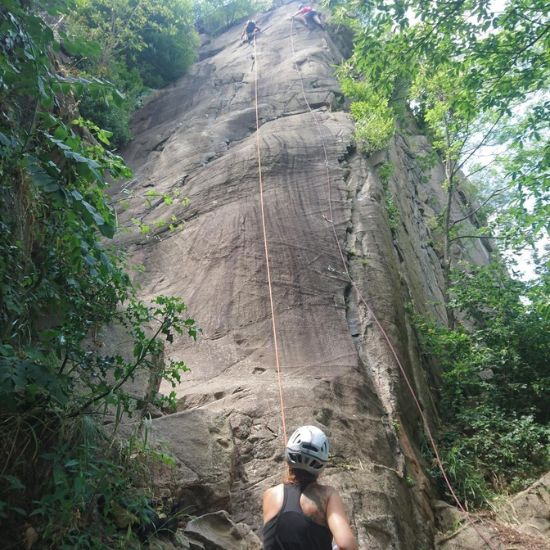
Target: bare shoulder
{"x":273,"y":491}
{"x":314,"y":501}
{"x":326,"y":490}
{"x":319,"y":494}
{"x":272,"y":501}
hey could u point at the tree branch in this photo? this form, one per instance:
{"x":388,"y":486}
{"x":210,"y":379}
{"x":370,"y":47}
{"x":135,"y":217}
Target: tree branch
{"x":129,"y":373}
{"x":518,"y":53}
{"x":480,"y":144}
{"x":472,"y":212}
{"x":492,"y":237}
{"x":62,"y":368}
{"x":468,"y":176}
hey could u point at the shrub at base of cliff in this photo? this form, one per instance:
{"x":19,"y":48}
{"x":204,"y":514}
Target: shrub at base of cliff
{"x":85,"y":493}
{"x":495,"y":385}
{"x":496,"y":449}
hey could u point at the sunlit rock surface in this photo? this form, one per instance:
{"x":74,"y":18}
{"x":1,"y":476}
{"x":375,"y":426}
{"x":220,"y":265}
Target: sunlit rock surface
{"x":197,"y":139}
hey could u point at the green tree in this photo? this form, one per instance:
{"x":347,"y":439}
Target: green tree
{"x":475,"y":79}
{"x":495,"y":387}
{"x":158,"y":33}
{"x":60,"y":280}
{"x":215,"y":16}
{"x":140,"y":44}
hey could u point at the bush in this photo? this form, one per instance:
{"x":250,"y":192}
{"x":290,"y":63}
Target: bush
{"x":59,"y":281}
{"x":165,"y":58}
{"x":495,"y":385}
{"x":108,"y":114}
{"x":488,"y":451}
{"x":148,"y":44}
{"x":169,"y":43}
{"x":374,"y":119}
{"x":215,"y":16}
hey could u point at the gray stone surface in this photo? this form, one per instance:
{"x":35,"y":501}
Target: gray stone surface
{"x":529,"y":511}
{"x":197,"y":139}
{"x":213,"y":531}
{"x":218,"y":532}
{"x":201,"y":443}
{"x":519,"y":522}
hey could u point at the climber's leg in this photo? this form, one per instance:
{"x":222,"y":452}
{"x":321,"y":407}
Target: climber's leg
{"x":302,"y":20}
{"x":313,"y":19}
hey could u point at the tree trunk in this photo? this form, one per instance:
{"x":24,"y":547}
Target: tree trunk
{"x":449,"y":185}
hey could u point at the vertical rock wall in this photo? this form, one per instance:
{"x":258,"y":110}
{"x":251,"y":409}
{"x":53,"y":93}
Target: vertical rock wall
{"x":196,"y":139}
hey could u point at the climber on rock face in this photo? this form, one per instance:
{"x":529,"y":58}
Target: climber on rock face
{"x":250,"y":29}
{"x":308,"y":17}
{"x":300,"y":513}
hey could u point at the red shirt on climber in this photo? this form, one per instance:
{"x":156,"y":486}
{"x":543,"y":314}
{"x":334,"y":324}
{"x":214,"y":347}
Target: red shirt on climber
{"x":308,"y":16}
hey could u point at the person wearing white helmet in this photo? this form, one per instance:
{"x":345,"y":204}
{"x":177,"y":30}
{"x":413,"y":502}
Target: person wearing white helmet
{"x":300,"y":513}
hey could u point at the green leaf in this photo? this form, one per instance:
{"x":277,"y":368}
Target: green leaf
{"x":15,"y":482}
{"x":43,"y":180}
{"x":5,"y":140}
{"x":81,"y":47}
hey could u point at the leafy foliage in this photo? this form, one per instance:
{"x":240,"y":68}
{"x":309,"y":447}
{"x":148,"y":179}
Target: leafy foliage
{"x":476,"y":81}
{"x":59,"y":282}
{"x":495,"y":384}
{"x":142,"y":45}
{"x":154,"y":37}
{"x":215,"y":16}
{"x":374,"y":119}
{"x":111,"y":106}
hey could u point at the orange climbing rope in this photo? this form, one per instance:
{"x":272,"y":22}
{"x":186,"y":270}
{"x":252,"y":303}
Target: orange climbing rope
{"x":361,"y":299}
{"x":266,"y":249}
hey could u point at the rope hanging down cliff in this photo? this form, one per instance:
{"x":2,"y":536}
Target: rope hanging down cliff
{"x":362,"y":300}
{"x":266,"y":248}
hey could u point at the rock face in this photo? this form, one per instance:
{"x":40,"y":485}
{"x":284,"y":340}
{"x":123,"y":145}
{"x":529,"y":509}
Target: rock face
{"x":197,"y":139}
{"x":521,"y":522}
{"x":529,"y":511}
{"x":215,"y":531}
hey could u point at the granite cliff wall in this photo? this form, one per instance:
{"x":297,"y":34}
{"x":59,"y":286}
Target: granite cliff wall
{"x":197,"y":139}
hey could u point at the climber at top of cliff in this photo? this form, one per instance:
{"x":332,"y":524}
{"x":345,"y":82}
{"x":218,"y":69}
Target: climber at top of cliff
{"x":308,"y":17}
{"x":250,"y":29}
{"x":300,"y":513}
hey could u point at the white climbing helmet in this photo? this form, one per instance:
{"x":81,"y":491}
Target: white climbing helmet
{"x":307,"y":449}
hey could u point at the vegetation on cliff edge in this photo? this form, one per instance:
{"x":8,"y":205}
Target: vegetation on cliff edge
{"x":476,"y":79}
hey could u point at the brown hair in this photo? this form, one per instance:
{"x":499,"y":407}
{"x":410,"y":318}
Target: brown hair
{"x":295,"y":476}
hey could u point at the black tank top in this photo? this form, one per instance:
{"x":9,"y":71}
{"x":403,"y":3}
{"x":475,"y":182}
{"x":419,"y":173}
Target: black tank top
{"x":291,"y":529}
